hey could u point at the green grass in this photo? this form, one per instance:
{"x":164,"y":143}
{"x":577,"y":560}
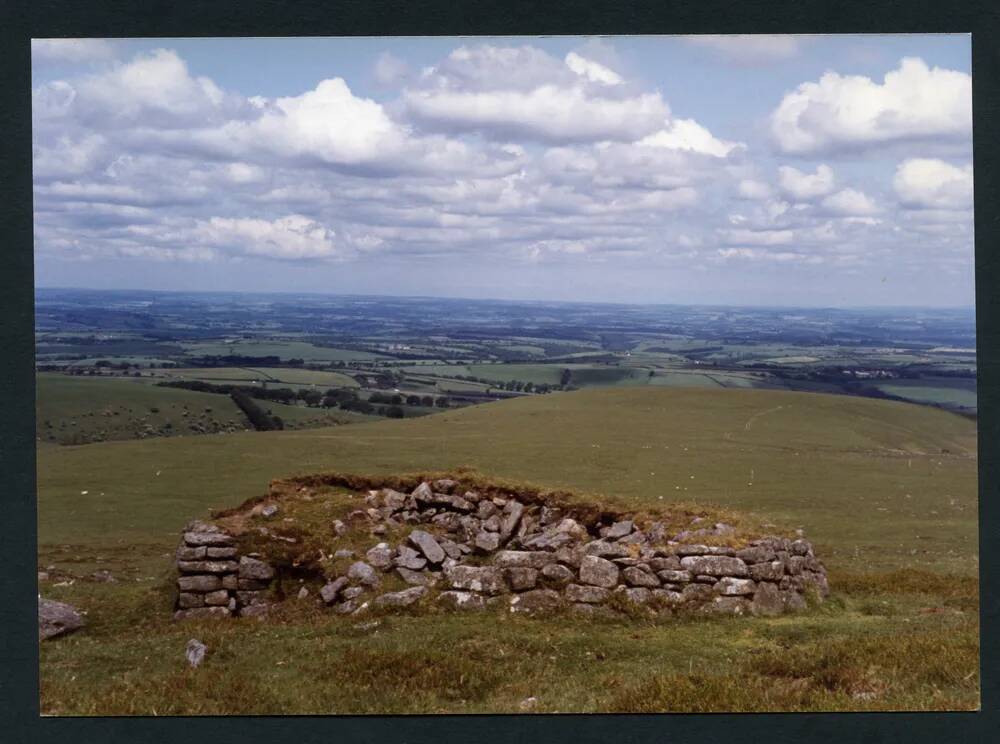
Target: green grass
{"x":944,"y":391}
{"x":885,"y":490}
{"x":283,"y":349}
{"x":289,"y":376}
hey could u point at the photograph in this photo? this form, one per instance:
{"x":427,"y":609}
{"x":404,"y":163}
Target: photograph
{"x":381,"y":375}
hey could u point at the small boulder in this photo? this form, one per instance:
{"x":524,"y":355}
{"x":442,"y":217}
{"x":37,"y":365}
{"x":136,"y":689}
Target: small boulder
{"x":56,"y":618}
{"x":619,"y":529}
{"x":458,"y":600}
{"x":589,"y":594}
{"x":767,"y":600}
{"x":535,"y":601}
{"x":486,"y":579}
{"x":598,"y":572}
{"x":715,"y":565}
{"x":427,"y":545}
{"x":407,"y":557}
{"x":252,"y":568}
{"x":330,"y":591}
{"x":521,"y":579}
{"x":414,"y":578}
{"x":361,"y":573}
{"x":404,"y":598}
{"x":637,"y":577}
{"x":380,"y":556}
{"x":195,"y":652}
{"x":487,"y":542}
{"x":727,"y":586}
{"x":557,"y":574}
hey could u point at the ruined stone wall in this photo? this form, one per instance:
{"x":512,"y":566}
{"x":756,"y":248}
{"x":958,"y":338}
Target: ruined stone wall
{"x":463,"y":550}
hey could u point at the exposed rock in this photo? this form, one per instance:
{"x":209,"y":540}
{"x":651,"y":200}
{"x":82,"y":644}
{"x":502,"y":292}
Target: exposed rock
{"x":756,"y":554}
{"x":619,"y":529}
{"x":513,"y":511}
{"x":715,"y":565}
{"x":360,"y":572}
{"x":427,"y":545}
{"x":487,"y":542}
{"x":598,"y":571}
{"x":521,"y":579}
{"x":184,"y":553}
{"x":523,"y":558}
{"x":423,"y":493}
{"x":251,"y":568}
{"x":195,"y":652}
{"x":637,"y":577}
{"x":269,"y":511}
{"x":537,"y":600}
{"x":380,"y":556}
{"x":343,"y":553}
{"x":493,"y":524}
{"x":462,"y":600}
{"x":771,"y":571}
{"x":407,"y":557}
{"x":303,"y":593}
{"x":639,"y":595}
{"x":216,"y":553}
{"x":196,"y":539}
{"x":393,"y":500}
{"x":352,"y":592}
{"x":486,"y":510}
{"x":604,"y":549}
{"x":400,"y":599}
{"x":582,"y":593}
{"x":209,"y":567}
{"x":199,"y":583}
{"x":414,"y":578}
{"x":487,"y":579}
{"x":330,"y":591}
{"x":557,"y":574}
{"x":728,"y":606}
{"x":218,"y":598}
{"x":767,"y":600}
{"x":675,"y":577}
{"x":730,"y":587}
{"x":445,"y":485}
{"x":550,"y":540}
{"x":667,"y":563}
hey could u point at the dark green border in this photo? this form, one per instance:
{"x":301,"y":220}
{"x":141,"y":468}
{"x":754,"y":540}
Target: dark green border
{"x":22,"y":19}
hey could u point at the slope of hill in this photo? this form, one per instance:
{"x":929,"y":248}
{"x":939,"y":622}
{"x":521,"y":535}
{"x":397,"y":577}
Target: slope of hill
{"x":877,"y":484}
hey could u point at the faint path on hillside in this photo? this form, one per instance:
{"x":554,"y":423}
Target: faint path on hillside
{"x":759,"y":414}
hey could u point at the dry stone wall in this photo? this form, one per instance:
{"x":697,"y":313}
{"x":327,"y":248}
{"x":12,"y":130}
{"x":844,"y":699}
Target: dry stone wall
{"x":465,"y":551}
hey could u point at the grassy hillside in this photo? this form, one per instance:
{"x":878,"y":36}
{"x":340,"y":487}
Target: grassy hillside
{"x":885,"y":490}
{"x":870,"y":481}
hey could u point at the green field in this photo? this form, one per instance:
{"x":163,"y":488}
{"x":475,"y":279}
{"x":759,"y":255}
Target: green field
{"x":260,"y":374}
{"x":942,"y":391}
{"x":539,"y":374}
{"x":878,"y":486}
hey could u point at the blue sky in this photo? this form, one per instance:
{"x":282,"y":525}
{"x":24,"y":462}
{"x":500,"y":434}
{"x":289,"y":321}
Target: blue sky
{"x":819,"y":170}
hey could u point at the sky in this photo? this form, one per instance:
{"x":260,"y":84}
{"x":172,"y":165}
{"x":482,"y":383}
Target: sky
{"x":746,"y":170}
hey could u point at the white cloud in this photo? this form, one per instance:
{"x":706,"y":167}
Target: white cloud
{"x":593,"y":71}
{"x":754,"y":190}
{"x":70,"y":50}
{"x":687,"y":134}
{"x":805,"y":186}
{"x":522,"y":92}
{"x":390,"y":70}
{"x":913,"y":102}
{"x":925,"y":183}
{"x":850,"y":203}
{"x":749,"y":47}
{"x":293,"y":237}
{"x":741,"y":236}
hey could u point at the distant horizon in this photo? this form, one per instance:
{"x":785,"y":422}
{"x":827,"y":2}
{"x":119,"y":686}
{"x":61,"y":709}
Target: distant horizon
{"x":294,"y":293}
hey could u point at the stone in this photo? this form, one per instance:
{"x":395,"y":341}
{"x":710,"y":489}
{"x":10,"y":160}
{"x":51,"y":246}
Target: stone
{"x":216,"y":552}
{"x":303,"y":593}
{"x":706,"y":579}
{"x":255,"y":610}
{"x":619,"y":529}
{"x":771,"y":571}
{"x":361,"y":573}
{"x":269,"y":511}
{"x":218,"y":598}
{"x":229,"y":581}
{"x":343,"y":553}
{"x":445,"y":485}
{"x":197,"y":539}
{"x":523,"y":558}
{"x":730,"y":587}
{"x":666,"y":597}
{"x":347,"y":608}
{"x":604,"y":549}
{"x":535,"y":601}
{"x":486,"y":542}
{"x":800,"y":547}
{"x":513,"y":511}
{"x":199,"y":583}
{"x":451,"y":549}
{"x":186,"y":600}
{"x":767,"y":600}
{"x":639,"y":595}
{"x":637,"y":577}
{"x":591,"y":610}
{"x":414,"y":578}
{"x":793,"y":601}
{"x":195,"y":652}
{"x":202,"y":612}
{"x":570,"y":556}
{"x":598,"y":571}
{"x":549,"y":540}
{"x":209,"y":567}
{"x":756,"y":554}
{"x":486,"y":510}
{"x":557,"y":574}
{"x":407,"y":557}
{"x":352,"y":592}
{"x":715,"y":565}
{"x":667,"y":563}
{"x":493,"y":523}
{"x":521,"y":579}
{"x":339,"y":527}
{"x":486,"y":579}
{"x":794,"y":565}
{"x":380,"y":556}
{"x":394,"y":501}
{"x":675,"y":577}
{"x":818,"y":581}
{"x":461,"y":600}
{"x":697,"y":593}
{"x":582,"y":593}
{"x":252,"y":568}
{"x":423,"y":493}
{"x":330,"y":591}
{"x":427,"y":545}
{"x":529,"y":703}
{"x":686,"y":550}
{"x":184,"y":553}
{"x":404,"y":598}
